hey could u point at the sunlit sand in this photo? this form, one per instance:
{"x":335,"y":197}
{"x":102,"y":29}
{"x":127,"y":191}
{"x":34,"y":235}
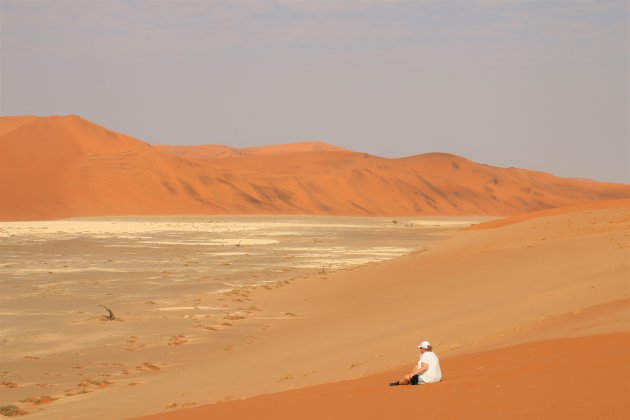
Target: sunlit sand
{"x":168,"y":281}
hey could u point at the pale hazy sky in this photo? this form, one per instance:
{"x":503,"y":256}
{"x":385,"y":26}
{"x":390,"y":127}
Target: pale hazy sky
{"x":535,"y":84}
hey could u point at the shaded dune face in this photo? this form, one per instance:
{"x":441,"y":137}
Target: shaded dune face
{"x":55,"y":167}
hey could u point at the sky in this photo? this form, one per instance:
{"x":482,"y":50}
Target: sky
{"x":540,"y":85}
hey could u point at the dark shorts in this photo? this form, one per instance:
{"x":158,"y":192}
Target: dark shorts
{"x":416,"y":380}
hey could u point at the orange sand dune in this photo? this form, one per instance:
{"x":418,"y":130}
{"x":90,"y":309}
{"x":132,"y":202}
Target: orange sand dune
{"x":301,"y":147}
{"x":554,"y":379}
{"x":55,"y":167}
{"x":596,"y":205}
{"x":208,"y":152}
{"x":204,"y":152}
{"x":502,"y":307}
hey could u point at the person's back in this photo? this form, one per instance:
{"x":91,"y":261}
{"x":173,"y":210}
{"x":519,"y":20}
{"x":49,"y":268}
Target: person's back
{"x":433,"y":373}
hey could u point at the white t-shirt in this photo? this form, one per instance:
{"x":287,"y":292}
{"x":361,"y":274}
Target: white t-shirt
{"x":433,"y":374}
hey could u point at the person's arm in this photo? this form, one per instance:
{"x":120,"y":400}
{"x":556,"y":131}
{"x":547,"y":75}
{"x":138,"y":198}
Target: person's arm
{"x":419,"y":370}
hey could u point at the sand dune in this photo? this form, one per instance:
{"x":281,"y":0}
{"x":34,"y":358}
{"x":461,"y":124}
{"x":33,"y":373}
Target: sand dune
{"x":513,"y":311}
{"x":56,"y":167}
{"x":208,"y":152}
{"x":595,"y":205}
{"x":528,"y":381}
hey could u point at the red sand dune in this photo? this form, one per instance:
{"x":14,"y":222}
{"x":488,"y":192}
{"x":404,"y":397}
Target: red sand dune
{"x":596,"y":205}
{"x":554,"y":379}
{"x":210,"y":151}
{"x":55,"y":167}
{"x":561,"y":277}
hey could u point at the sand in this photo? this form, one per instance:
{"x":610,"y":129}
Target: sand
{"x":209,"y":152}
{"x":514,"y":320}
{"x":482,"y":297}
{"x":60,"y":167}
{"x":542,"y":379}
{"x":171,"y":282}
{"x":284,"y":331}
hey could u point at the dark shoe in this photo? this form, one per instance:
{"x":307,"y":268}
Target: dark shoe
{"x":394,"y":383}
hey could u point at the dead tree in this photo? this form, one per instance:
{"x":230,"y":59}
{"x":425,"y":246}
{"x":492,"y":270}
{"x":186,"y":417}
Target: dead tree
{"x":111,"y":316}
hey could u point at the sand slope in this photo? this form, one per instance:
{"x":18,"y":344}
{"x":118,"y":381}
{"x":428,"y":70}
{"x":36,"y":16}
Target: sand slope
{"x":534,"y":380}
{"x":595,"y":205}
{"x":546,"y":278}
{"x":532,"y":286}
{"x":55,"y":167}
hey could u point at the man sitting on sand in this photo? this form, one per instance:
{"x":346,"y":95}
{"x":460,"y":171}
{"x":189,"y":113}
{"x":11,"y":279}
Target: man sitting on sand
{"x":427,"y":370}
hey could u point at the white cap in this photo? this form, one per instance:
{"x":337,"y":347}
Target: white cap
{"x":424,"y":345}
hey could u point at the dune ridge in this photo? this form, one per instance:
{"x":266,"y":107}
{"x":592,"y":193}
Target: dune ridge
{"x":211,"y":151}
{"x":57,"y":167}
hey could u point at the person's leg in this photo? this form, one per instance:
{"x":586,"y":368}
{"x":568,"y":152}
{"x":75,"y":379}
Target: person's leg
{"x":406,"y":380}
{"x":409,"y":379}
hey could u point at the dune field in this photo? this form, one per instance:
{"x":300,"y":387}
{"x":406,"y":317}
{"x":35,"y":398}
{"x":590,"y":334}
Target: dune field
{"x":59,"y":167}
{"x":295,"y":281}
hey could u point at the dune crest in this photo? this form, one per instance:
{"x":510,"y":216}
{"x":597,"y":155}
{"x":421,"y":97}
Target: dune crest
{"x":211,"y":151}
{"x":56,"y":167}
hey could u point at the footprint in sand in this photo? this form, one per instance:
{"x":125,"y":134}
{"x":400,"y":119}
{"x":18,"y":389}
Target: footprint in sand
{"x":10,"y":385}
{"x":133,"y":343}
{"x":177,"y":340}
{"x":148,"y":367}
{"x":208,"y":328}
{"x":44,"y":399}
{"x":356,"y":364}
{"x":98,"y":383}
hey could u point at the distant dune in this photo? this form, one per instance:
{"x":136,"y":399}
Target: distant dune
{"x":595,"y":205}
{"x":56,"y":167}
{"x":210,"y":151}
